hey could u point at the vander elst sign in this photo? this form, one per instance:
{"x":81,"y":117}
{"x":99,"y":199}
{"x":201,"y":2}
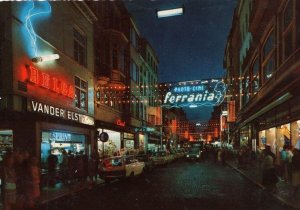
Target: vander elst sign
{"x":54,"y":111}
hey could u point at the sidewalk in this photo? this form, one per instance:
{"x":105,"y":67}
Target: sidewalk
{"x":253,"y":173}
{"x":60,"y":190}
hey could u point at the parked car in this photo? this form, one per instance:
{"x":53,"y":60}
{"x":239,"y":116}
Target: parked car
{"x":160,"y":158}
{"x":193,"y":154}
{"x":147,"y":159}
{"x":120,"y":167}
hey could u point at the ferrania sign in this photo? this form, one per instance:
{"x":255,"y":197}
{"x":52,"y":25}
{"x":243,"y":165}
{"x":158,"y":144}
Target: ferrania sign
{"x":195,"y":93}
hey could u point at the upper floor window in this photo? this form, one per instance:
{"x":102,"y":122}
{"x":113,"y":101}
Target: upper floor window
{"x":134,"y":71}
{"x":268,"y":55}
{"x":255,"y":77}
{"x":81,"y":98}
{"x":246,"y":88}
{"x":133,"y":37}
{"x":115,"y":62}
{"x":80,"y":47}
{"x":288,"y":30}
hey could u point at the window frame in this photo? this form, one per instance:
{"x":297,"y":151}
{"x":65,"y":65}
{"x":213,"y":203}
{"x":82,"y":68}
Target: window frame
{"x":269,"y":55}
{"x":80,"y":45}
{"x":288,"y":30}
{"x":81,"y":89}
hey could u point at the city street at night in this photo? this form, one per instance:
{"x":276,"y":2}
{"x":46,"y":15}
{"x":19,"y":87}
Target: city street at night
{"x":150,"y":105}
{"x":181,"y":185}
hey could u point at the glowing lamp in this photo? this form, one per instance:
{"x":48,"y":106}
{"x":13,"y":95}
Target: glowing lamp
{"x":45,"y":58}
{"x":169,"y":12}
{"x":193,"y":106}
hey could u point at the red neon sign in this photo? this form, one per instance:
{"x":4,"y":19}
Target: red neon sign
{"x":49,"y":82}
{"x":120,"y":123}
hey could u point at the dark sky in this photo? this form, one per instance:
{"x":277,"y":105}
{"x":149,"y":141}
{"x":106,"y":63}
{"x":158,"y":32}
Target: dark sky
{"x":189,"y":47}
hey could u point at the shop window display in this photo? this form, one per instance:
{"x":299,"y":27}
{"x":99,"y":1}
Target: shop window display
{"x":54,"y":142}
{"x":6,"y":141}
{"x":112,"y":146}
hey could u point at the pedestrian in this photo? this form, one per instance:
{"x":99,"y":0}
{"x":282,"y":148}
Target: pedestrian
{"x":64,"y":166}
{"x":9,"y":182}
{"x":296,"y":169}
{"x":22,"y":177}
{"x":71,"y":167}
{"x":285,"y":160}
{"x":52,"y":164}
{"x":269,"y":175}
{"x":33,"y":187}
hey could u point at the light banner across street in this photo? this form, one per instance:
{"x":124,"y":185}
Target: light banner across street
{"x":194,"y":93}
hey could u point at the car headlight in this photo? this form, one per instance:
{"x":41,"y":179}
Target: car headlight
{"x":197,"y":155}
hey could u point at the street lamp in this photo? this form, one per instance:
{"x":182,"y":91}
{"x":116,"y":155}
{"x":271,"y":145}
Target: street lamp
{"x":169,"y":12}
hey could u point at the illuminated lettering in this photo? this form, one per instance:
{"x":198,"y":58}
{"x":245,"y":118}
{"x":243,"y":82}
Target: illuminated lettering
{"x":45,"y":80}
{"x":62,"y":113}
{"x":191,"y":98}
{"x":33,"y":76}
{"x":55,"y":87}
{"x":64,"y":89}
{"x":178,"y":98}
{"x":71,"y":92}
{"x":209,"y":93}
{"x":120,"y":123}
{"x":49,"y":82}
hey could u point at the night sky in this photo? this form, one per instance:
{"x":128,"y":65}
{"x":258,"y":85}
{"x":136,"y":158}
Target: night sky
{"x":189,"y":47}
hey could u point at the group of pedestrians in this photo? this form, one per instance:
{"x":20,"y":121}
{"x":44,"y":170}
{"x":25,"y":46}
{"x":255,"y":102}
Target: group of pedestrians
{"x":73,"y":167}
{"x":289,"y":167}
{"x":20,"y":176}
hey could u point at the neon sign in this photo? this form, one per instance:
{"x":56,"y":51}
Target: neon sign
{"x":195,"y":93}
{"x":120,"y":123}
{"x":52,"y":83}
{"x":33,"y":12}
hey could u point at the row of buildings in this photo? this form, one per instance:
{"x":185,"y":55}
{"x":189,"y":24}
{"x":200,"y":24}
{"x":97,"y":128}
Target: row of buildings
{"x":262,"y":65}
{"x":104,"y":78}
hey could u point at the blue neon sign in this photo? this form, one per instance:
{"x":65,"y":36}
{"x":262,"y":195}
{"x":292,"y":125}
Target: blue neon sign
{"x":195,"y":93}
{"x":31,"y":14}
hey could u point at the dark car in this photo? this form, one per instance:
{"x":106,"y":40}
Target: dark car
{"x":147,"y":159}
{"x":193,"y":154}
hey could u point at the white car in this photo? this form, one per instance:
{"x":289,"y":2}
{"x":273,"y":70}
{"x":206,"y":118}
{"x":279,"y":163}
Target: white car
{"x":120,"y":167}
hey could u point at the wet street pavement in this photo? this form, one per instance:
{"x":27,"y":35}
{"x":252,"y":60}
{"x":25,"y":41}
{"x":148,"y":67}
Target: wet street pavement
{"x":180,"y":185}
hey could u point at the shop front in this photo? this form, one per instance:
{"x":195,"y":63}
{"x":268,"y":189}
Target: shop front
{"x":55,"y":142}
{"x":282,"y":135}
{"x":245,"y":136}
{"x":113,"y":145}
{"x":154,"y":142}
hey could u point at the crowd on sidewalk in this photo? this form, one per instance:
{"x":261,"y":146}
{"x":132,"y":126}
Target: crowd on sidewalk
{"x":20,"y":177}
{"x":72,"y":168}
{"x":283,"y":167}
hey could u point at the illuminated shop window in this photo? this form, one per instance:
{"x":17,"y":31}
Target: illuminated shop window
{"x":80,"y":47}
{"x":80,"y":93}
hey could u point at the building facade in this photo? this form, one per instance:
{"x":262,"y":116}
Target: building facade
{"x":268,"y":104}
{"x":125,"y":79}
{"x":47,"y":105}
